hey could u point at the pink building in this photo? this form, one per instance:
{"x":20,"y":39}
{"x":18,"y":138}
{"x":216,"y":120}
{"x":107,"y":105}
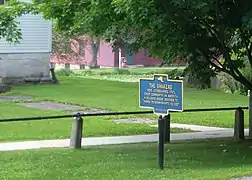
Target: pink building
{"x":106,"y":58}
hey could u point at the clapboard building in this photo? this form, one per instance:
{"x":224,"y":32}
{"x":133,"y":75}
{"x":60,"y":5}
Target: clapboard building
{"x":31,"y":57}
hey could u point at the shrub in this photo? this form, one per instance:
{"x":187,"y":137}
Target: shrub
{"x":121,"y":71}
{"x":147,"y":73}
{"x":142,"y":72}
{"x":87,"y":72}
{"x":104,"y":73}
{"x":248,"y":74}
{"x":199,"y":73}
{"x":64,"y":72}
{"x":230,"y":85}
{"x":172,"y":74}
{"x":175,"y":73}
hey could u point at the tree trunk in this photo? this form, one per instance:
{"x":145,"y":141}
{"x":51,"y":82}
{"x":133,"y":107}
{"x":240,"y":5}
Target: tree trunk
{"x":82,"y":44}
{"x":81,"y":51}
{"x":250,"y":114}
{"x":95,"y":44}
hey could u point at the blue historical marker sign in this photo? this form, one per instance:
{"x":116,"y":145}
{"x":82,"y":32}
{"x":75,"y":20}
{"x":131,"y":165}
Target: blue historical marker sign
{"x":161,"y":94}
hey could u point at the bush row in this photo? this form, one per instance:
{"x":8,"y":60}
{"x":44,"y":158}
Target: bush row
{"x":228,"y":84}
{"x":172,"y":73}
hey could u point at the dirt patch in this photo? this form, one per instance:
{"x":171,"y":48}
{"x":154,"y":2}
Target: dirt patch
{"x":15,"y":98}
{"x":91,"y":111}
{"x":243,"y":178}
{"x":48,"y":105}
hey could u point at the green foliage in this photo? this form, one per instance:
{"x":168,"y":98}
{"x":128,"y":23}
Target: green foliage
{"x":166,"y":28}
{"x":123,"y":75}
{"x":231,"y":86}
{"x":248,"y":74}
{"x":172,"y":74}
{"x":9,"y":26}
{"x":199,"y":73}
{"x":228,"y":84}
{"x":87,"y":72}
{"x":121,"y":71}
{"x":103,"y":73}
{"x":64,"y":72}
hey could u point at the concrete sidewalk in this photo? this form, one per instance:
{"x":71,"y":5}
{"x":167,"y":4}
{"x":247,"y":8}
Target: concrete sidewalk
{"x":197,"y":127}
{"x":94,"y":141}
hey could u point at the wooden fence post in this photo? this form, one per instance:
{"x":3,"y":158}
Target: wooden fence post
{"x":167,"y":128}
{"x":239,"y":124}
{"x":76,"y":136}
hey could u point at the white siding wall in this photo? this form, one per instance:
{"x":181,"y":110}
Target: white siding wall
{"x":36,"y":36}
{"x":31,"y":57}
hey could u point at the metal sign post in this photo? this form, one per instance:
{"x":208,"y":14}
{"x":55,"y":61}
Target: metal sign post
{"x":162,"y":95}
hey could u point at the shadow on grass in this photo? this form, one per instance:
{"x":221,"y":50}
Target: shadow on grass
{"x":212,"y":159}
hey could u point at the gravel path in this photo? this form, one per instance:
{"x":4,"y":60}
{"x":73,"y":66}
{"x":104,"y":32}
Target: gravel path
{"x":17,"y":98}
{"x":243,"y":178}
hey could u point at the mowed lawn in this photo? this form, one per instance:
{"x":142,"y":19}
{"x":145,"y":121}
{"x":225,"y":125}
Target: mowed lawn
{"x":123,"y":96}
{"x":109,"y":95}
{"x":61,"y":128}
{"x":205,"y":160}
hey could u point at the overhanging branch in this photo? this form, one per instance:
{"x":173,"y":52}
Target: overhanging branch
{"x":236,"y":74}
{"x":220,"y":67}
{"x":248,"y":46}
{"x":250,"y":52}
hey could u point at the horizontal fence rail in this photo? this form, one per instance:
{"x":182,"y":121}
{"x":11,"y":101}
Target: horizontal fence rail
{"x":164,"y":125}
{"x":112,"y":114}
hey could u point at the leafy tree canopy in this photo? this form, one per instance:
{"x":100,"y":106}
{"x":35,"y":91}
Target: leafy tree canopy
{"x":201,"y":30}
{"x":9,"y":12}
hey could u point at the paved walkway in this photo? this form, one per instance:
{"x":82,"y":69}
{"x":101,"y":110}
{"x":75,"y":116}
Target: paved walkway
{"x":92,"y":141}
{"x":196,"y":127}
{"x":243,"y":178}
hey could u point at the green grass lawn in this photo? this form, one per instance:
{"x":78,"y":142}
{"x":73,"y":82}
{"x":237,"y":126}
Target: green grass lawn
{"x":205,"y":160}
{"x":61,"y":128}
{"x":122,"y":96}
{"x":110,"y":95}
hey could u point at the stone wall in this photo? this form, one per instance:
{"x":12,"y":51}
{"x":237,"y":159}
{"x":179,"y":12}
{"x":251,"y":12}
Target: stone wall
{"x":16,"y":67}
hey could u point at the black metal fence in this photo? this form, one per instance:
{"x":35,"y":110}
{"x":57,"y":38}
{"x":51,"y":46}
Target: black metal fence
{"x":163,"y":125}
{"x":113,"y":114}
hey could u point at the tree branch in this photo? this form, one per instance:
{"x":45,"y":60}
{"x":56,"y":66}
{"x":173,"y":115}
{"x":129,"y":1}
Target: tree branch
{"x":236,"y":74}
{"x":219,"y":63}
{"x":233,"y":70}
{"x":247,"y":45}
{"x":250,"y":52}
{"x":220,"y":68}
